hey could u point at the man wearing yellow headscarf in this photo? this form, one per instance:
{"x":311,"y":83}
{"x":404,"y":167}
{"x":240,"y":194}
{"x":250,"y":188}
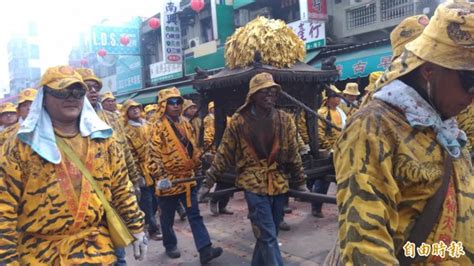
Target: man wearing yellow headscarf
{"x":258,"y":141}
{"x":175,"y":155}
{"x":109,"y":102}
{"x":351,"y":92}
{"x":9,"y":119}
{"x":404,"y":177}
{"x":138,"y":135}
{"x":51,"y":214}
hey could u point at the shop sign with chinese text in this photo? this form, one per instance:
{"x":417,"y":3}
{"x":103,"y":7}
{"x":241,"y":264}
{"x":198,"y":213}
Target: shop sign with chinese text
{"x":171,"y":33}
{"x":163,"y":71}
{"x":312,"y":33}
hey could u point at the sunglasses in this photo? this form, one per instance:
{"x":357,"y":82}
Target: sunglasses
{"x":269,"y":91}
{"x":175,"y":101}
{"x":467,"y":80}
{"x":76,"y":93}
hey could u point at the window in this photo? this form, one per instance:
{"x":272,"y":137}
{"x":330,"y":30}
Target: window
{"x":34,"y":51}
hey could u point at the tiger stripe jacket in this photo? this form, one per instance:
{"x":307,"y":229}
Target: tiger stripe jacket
{"x":386,"y":171}
{"x":254,"y":175}
{"x":36,"y":218}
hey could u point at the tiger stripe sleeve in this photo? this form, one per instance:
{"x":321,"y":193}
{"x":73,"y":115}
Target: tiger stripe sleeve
{"x":323,"y":138}
{"x":296,"y":164}
{"x":367,"y":197}
{"x":123,"y":198}
{"x":11,"y":188}
{"x":225,"y":156}
{"x":156,"y":167}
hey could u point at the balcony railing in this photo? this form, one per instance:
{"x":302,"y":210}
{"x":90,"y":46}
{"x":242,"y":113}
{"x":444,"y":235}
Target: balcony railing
{"x":361,"y":16}
{"x":393,"y":9}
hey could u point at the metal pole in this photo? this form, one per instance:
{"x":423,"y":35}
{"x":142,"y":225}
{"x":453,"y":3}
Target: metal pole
{"x":302,"y":105}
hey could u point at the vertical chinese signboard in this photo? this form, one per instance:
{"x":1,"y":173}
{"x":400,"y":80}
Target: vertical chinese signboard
{"x":171,"y":33}
{"x":317,"y":10}
{"x":312,"y":33}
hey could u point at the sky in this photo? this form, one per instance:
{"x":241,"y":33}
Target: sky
{"x":60,"y":22}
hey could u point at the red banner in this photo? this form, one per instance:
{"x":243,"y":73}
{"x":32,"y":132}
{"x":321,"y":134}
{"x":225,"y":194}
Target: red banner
{"x":317,"y":10}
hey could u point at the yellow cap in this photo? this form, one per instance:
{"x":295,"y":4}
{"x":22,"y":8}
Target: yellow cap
{"x":61,"y":77}
{"x":7,"y":107}
{"x":107,"y":96}
{"x":88,"y":74}
{"x":151,"y":107}
{"x":210,"y":105}
{"x":28,"y":94}
{"x":259,"y":82}
{"x":187,"y":103}
{"x":352,"y":88}
{"x":373,"y":77}
{"x":407,"y":31}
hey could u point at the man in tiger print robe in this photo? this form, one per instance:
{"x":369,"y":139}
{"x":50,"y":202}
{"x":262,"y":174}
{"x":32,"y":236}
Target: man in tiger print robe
{"x":260,"y":142}
{"x":50,"y":214}
{"x":393,"y":155}
{"x":137,"y":131}
{"x":175,"y":155}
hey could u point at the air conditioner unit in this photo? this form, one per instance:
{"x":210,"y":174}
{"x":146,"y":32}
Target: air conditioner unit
{"x":242,"y":17}
{"x":358,"y":2}
{"x":193,"y":42}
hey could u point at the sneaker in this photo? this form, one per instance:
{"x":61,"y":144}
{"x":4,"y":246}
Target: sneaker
{"x":157,"y":236}
{"x":287,"y":209}
{"x":214,"y":208}
{"x":317,"y":214}
{"x":226,"y":211}
{"x":284,"y":226}
{"x":181,"y":213}
{"x":209,"y":253}
{"x":173,"y":253}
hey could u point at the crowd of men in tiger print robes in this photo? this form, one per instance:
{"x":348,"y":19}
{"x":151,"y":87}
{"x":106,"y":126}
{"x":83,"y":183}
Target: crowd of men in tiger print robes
{"x":413,"y":127}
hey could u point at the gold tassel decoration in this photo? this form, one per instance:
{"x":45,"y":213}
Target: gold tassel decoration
{"x":278,"y":44}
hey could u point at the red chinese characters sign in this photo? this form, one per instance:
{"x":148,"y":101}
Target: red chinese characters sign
{"x":317,"y":10}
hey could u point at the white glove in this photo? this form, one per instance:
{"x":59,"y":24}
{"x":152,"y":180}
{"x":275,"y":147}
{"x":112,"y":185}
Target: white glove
{"x":302,"y":188}
{"x":305,"y":150}
{"x":140,"y":246}
{"x":164,"y":184}
{"x":202,"y":192}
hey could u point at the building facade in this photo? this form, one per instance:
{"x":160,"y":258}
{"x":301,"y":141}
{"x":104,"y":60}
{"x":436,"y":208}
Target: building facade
{"x":23,"y":60}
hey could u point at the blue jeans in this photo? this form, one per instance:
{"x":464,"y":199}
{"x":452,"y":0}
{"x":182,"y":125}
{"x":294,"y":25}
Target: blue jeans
{"x":265,"y":213}
{"x":322,"y":187}
{"x":168,"y":206}
{"x":149,"y":204}
{"x":120,"y":253}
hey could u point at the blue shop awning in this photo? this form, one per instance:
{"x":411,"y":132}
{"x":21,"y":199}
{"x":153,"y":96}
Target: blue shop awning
{"x":361,"y":63}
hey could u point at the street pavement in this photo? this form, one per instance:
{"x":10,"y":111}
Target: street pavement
{"x":307,"y":243}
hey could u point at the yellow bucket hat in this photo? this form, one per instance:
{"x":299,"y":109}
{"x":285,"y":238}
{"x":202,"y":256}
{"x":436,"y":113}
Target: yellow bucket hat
{"x":259,"y":82}
{"x":61,"y":77}
{"x":407,"y":31}
{"x":352,"y":88}
{"x":373,"y":77}
{"x":28,"y":94}
{"x":7,"y":107}
{"x":107,"y":96}
{"x":151,"y":107}
{"x":188,"y":103}
{"x":88,"y":74}
{"x":210,"y":106}
{"x":127,"y":105}
{"x":447,"y":41}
